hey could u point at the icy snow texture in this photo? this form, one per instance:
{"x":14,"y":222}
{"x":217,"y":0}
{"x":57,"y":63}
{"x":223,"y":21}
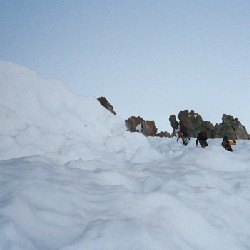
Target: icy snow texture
{"x":68,"y":186}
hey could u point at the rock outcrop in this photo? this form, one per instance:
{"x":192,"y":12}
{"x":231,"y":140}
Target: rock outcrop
{"x":134,"y":124}
{"x":138,"y":124}
{"x":192,"y":123}
{"x":148,"y":128}
{"x":163,"y":134}
{"x":189,"y":122}
{"x":174,"y":123}
{"x":104,"y":102}
{"x":232,"y":128}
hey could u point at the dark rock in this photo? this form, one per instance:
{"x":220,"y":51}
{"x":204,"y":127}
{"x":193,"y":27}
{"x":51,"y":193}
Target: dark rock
{"x":174,"y":123}
{"x":104,"y":102}
{"x":232,"y":128}
{"x":133,"y":122}
{"x":163,"y":134}
{"x":149,"y":128}
{"x":138,"y":124}
{"x":192,"y":123}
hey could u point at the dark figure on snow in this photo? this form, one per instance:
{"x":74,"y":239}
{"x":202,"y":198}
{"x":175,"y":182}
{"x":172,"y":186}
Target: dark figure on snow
{"x":202,"y":139}
{"x":184,"y":137}
{"x":227,"y":144}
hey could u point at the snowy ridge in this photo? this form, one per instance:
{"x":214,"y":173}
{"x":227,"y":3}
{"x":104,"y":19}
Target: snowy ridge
{"x":68,"y":186}
{"x":41,"y":116}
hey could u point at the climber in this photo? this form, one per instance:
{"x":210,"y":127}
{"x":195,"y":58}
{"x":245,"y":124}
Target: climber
{"x":183,"y":136}
{"x":202,"y":139}
{"x":227,"y":143}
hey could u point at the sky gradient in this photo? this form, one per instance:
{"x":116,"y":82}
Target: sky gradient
{"x":148,"y":58}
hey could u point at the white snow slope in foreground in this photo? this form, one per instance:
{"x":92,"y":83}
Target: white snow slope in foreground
{"x":73,"y":178}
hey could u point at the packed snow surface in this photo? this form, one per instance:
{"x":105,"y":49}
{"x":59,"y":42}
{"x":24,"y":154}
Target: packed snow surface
{"x":73,"y":178}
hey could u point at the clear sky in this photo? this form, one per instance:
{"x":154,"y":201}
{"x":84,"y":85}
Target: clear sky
{"x":148,"y":58}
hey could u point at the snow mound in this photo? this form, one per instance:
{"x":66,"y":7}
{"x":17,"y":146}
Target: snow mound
{"x":42,"y":117}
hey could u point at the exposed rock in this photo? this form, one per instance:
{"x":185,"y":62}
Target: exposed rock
{"x":189,"y":122}
{"x":133,"y":122}
{"x":104,"y":102}
{"x":138,"y":124}
{"x":163,"y":134}
{"x":174,"y":123}
{"x":149,"y":128}
{"x":209,"y":128}
{"x":232,"y":128}
{"x":192,"y":123}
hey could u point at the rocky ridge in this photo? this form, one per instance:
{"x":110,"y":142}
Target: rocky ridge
{"x":188,"y":121}
{"x":192,"y":123}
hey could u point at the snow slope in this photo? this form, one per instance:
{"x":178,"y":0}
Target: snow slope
{"x":72,"y":178}
{"x":42,"y":117}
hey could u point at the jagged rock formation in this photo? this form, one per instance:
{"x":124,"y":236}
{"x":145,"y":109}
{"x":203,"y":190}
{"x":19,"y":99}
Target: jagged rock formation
{"x":104,"y":102}
{"x":232,"y":128}
{"x":192,"y":123}
{"x":189,"y":122}
{"x":138,"y":124}
{"x":148,"y":128}
{"x":134,"y":124}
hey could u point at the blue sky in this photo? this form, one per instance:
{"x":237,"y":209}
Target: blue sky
{"x":148,"y":58}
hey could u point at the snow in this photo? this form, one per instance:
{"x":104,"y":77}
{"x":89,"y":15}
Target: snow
{"x":41,"y":116}
{"x":73,"y":178}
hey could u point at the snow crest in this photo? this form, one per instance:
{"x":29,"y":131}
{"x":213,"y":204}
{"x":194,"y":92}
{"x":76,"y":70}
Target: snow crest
{"x":42,"y":117}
